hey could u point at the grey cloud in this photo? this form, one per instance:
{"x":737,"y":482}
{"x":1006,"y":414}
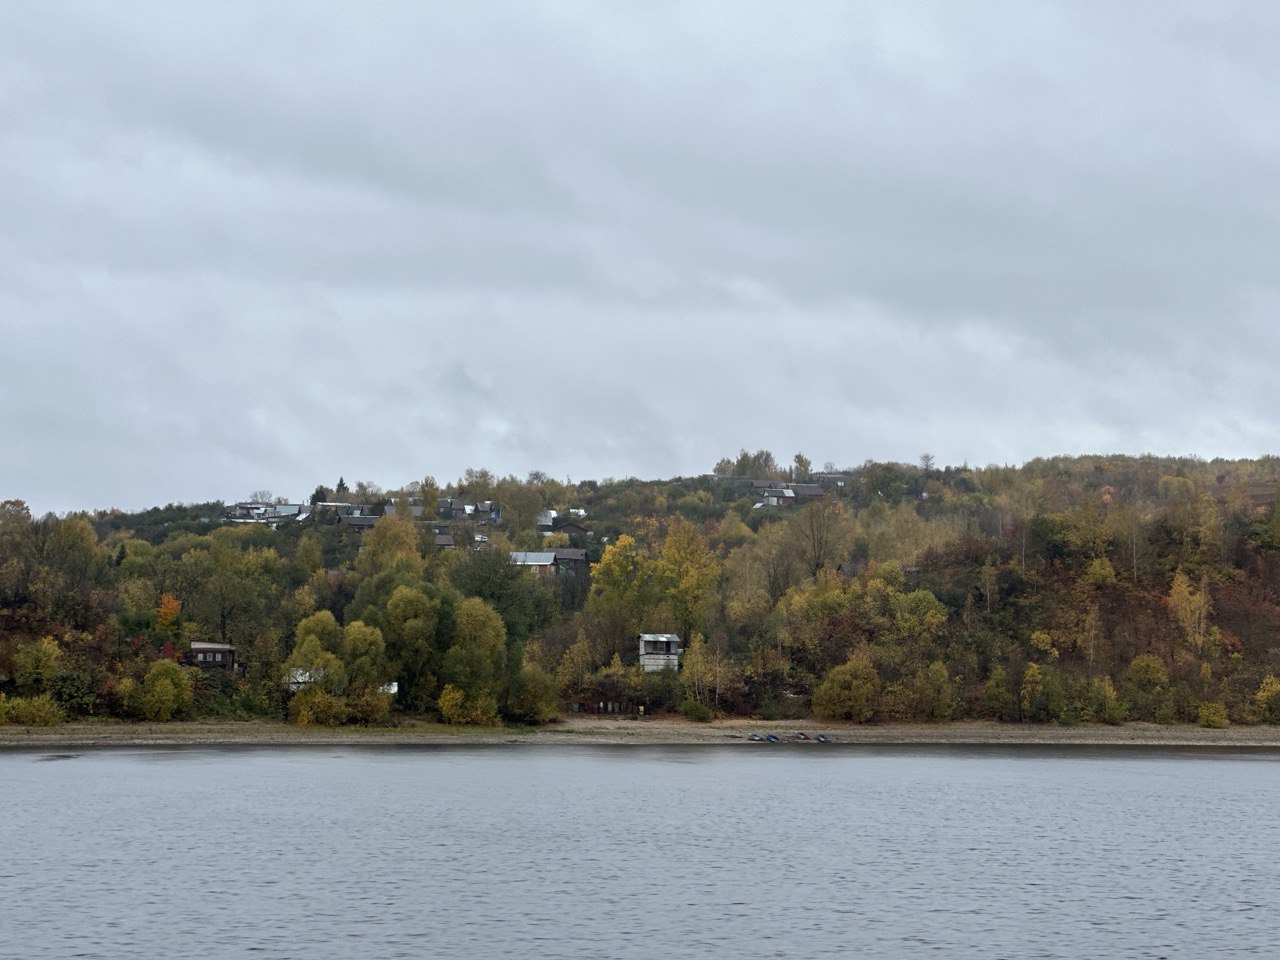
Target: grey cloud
{"x":262,"y":246}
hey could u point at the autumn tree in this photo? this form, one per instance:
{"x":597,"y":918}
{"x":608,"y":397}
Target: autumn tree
{"x":934,"y":692}
{"x":521,"y":504}
{"x":309,"y":557}
{"x":391,"y":542}
{"x":364,"y":656}
{"x":850,"y":691}
{"x":475,"y":665}
{"x":35,"y":665}
{"x":1147,"y":683}
{"x":624,"y":589}
{"x":1031,"y":694}
{"x":412,"y":638}
{"x":1191,"y":608}
{"x":167,"y":613}
{"x":1267,"y":698}
{"x":821,"y":533}
{"x":688,"y":573}
{"x":167,"y":690}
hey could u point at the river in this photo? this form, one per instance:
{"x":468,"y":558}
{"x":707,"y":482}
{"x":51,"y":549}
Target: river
{"x":634,"y":852}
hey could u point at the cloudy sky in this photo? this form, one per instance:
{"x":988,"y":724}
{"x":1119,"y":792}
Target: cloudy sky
{"x":248,"y":246}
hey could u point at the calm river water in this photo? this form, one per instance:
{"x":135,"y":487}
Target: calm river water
{"x":769,"y":851}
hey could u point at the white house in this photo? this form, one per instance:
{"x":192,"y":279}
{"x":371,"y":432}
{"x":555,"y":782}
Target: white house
{"x":659,"y":651}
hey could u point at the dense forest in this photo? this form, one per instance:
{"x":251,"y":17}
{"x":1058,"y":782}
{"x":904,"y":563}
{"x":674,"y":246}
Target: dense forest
{"x":1068,"y":590}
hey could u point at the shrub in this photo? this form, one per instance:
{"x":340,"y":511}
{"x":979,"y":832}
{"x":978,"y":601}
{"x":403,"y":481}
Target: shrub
{"x":314,"y":706}
{"x":1104,"y":703}
{"x":1212,"y":715}
{"x":167,"y":691}
{"x":456,"y":707}
{"x":695,"y":710}
{"x":935,"y":697}
{"x":41,"y":711}
{"x":849,"y":691}
{"x":535,"y":697}
{"x":368,"y":707}
{"x":1268,"y":698}
{"x":997,"y":701}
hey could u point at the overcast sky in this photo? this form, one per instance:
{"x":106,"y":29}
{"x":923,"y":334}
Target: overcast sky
{"x":248,"y":246}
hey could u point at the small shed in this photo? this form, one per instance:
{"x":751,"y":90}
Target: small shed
{"x":659,"y":651}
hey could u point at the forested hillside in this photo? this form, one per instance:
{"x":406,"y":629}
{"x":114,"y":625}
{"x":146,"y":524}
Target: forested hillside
{"x":1073,"y":589}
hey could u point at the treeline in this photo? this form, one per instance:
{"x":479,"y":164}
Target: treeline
{"x":1083,"y":589}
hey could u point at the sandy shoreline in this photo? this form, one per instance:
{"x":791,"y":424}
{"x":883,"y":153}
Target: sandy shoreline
{"x":654,"y":731}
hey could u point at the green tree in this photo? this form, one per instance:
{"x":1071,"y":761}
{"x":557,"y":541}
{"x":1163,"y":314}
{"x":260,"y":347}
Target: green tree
{"x":521,"y":504}
{"x":697,"y":673}
{"x":850,"y":691}
{"x":536,"y":696}
{"x":167,"y":691}
{"x":801,"y":468}
{"x":996,"y":698}
{"x":414,"y":645}
{"x":311,"y":664}
{"x":364,"y":657}
{"x":308,"y":558}
{"x":935,"y":696}
{"x":35,"y":665}
{"x":1147,"y":684}
{"x":476,"y":663}
{"x":323,"y":629}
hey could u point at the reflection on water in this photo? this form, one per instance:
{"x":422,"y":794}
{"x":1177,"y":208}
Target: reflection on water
{"x":637,"y":852}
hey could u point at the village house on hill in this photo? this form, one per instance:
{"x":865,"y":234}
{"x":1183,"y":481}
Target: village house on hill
{"x":779,"y":493}
{"x":212,"y":656}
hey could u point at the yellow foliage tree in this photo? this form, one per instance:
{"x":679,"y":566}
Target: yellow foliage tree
{"x":689,"y":573}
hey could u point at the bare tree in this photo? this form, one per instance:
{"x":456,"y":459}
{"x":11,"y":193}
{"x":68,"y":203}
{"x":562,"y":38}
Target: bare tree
{"x":821,"y":532}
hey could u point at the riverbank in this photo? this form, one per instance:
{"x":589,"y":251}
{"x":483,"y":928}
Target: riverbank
{"x":651,"y":731}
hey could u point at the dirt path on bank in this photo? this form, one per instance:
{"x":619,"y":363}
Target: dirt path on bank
{"x":651,"y":731}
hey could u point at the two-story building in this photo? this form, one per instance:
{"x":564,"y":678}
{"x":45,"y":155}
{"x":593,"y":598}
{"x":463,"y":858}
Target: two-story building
{"x":659,"y":651}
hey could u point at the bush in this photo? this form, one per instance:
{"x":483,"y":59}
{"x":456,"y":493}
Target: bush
{"x":536,"y":696}
{"x":935,"y":697}
{"x":849,"y":691}
{"x":314,"y":706}
{"x":1213,"y":715}
{"x":76,"y":691}
{"x":695,"y":710}
{"x":1268,"y":698}
{"x":167,"y":691}
{"x":368,"y":707}
{"x":456,"y":707}
{"x":41,"y":711}
{"x":1104,"y":702}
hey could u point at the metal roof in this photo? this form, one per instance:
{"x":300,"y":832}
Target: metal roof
{"x":533,"y":559}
